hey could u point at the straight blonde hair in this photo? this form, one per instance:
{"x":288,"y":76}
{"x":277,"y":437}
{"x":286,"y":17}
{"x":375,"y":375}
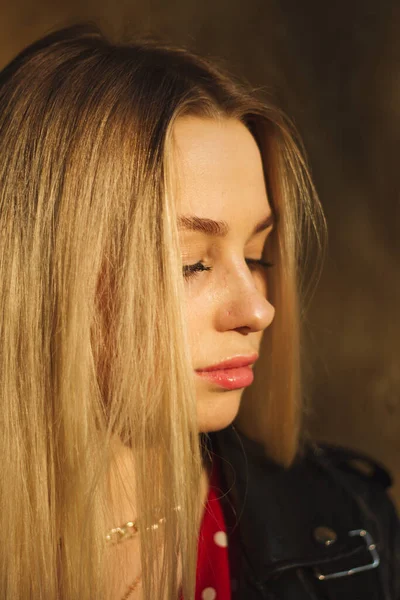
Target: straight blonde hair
{"x":93,"y":343}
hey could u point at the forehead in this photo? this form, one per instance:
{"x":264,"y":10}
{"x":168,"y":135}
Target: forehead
{"x":219,"y":170}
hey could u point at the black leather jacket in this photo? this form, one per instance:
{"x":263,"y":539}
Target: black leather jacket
{"x":325,"y":529}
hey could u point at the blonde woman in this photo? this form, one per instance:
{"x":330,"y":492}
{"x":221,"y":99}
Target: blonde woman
{"x":153,"y":217}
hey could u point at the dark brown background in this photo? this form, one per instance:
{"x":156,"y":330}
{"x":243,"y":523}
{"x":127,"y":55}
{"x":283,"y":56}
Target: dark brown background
{"x":336,"y":67}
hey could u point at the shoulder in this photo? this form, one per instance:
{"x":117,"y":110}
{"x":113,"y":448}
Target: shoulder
{"x":362,"y":477}
{"x":327,"y":485}
{"x":356,"y":464}
{"x":366,"y":480}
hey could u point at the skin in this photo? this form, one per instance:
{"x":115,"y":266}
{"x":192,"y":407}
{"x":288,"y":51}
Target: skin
{"x":220,"y":177}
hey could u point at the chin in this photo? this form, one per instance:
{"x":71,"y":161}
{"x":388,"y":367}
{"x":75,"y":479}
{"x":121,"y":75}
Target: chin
{"x":217,"y":411}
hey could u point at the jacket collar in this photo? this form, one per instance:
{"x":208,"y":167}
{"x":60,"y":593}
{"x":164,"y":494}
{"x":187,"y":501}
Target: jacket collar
{"x":286,"y":517}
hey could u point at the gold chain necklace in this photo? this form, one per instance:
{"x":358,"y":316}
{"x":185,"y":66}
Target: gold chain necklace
{"x":132,"y":587}
{"x":125,"y":532}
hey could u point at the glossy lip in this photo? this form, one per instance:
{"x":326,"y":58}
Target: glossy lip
{"x":231,"y":363}
{"x":232,"y":374}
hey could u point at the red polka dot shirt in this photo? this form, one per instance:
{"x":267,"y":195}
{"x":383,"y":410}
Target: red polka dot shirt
{"x":215,"y":579}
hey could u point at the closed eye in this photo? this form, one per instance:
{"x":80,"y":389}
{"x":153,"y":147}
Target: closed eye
{"x":253,"y":263}
{"x":196,"y":268}
{"x":193,"y":270}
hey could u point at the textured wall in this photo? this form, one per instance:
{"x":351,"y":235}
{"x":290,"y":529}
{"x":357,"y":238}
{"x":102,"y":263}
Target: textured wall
{"x":336,"y":67}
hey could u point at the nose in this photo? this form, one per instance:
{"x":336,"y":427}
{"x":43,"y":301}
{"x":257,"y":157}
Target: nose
{"x":243,"y":303}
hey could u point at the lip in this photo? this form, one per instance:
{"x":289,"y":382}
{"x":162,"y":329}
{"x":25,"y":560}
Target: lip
{"x":231,"y":374}
{"x":231,"y":363}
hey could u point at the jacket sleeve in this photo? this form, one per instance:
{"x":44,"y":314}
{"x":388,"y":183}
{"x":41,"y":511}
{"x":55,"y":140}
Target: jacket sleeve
{"x":371,"y":491}
{"x":395,"y":550}
{"x":383,"y":506}
{"x":279,"y":511}
{"x":386,"y":514}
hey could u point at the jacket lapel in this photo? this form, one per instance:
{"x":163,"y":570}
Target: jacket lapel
{"x":289,"y":518}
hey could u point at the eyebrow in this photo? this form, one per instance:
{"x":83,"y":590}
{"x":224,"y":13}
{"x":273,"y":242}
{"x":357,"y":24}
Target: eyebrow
{"x":218,"y":228}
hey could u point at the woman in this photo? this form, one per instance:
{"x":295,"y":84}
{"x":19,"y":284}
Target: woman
{"x":152,"y":212}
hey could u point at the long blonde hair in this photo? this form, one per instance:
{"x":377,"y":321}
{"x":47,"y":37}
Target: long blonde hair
{"x":93,"y":342}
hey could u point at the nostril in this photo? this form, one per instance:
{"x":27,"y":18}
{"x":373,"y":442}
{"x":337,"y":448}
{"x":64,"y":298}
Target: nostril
{"x":244,"y":330}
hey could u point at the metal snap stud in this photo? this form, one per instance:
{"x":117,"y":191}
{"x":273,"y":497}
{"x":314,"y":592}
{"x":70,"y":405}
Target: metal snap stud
{"x":325,"y":535}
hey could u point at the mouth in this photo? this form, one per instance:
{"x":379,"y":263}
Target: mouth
{"x":232,"y":374}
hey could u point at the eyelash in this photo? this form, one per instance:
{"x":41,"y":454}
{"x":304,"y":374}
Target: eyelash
{"x":193,"y":270}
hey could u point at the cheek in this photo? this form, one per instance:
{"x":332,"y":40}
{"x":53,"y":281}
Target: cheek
{"x":198,"y":319}
{"x":261,"y":283}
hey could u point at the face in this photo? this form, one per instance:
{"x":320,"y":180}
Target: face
{"x":224,"y":218}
